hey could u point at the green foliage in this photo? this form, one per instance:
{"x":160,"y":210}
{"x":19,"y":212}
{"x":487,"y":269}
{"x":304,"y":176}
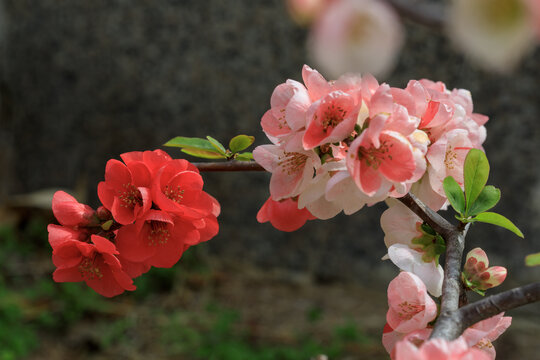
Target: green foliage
{"x":499,"y":220}
{"x":478,"y":198}
{"x":532,"y":259}
{"x":240,"y":142}
{"x":475,"y":174}
{"x":211,"y":148}
{"x":454,"y":194}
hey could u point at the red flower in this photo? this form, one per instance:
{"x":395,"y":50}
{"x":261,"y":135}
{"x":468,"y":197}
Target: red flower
{"x":69,"y":212}
{"x":125,"y":191}
{"x":152,"y":160}
{"x":177,"y":189}
{"x":95,"y":263}
{"x":284,"y":215}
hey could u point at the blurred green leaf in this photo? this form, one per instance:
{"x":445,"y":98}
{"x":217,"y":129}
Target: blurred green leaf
{"x":532,"y":259}
{"x":488,"y":198}
{"x":245,"y":156}
{"x":475,"y":173}
{"x":240,"y":142}
{"x":499,"y":220}
{"x":454,"y":194}
{"x":217,"y":145}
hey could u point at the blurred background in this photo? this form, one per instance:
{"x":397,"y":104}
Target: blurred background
{"x":84,"y":81}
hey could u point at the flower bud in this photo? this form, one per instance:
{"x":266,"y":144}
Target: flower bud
{"x":103,"y":214}
{"x":477,"y":276}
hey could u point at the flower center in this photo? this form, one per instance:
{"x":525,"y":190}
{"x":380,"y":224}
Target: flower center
{"x":292,"y":162}
{"x":89,"y":270}
{"x":159,"y":233}
{"x":407,"y":311}
{"x":373,"y":156}
{"x":130,"y":196}
{"x":332,"y":116}
{"x":175,"y":194}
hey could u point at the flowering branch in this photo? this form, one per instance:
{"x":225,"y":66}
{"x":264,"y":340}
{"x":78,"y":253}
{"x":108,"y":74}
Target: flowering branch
{"x":229,"y":166}
{"x":430,"y":15}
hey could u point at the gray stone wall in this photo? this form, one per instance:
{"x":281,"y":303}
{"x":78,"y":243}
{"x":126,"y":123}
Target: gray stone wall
{"x":83,"y":81}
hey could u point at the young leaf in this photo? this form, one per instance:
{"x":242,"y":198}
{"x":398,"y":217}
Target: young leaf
{"x":488,"y":198}
{"x":190,"y":143}
{"x":454,"y":194}
{"x":245,"y":156}
{"x":204,"y":154}
{"x":499,"y":220}
{"x":532,"y":259}
{"x":240,"y":142}
{"x":217,"y":145}
{"x":475,"y":173}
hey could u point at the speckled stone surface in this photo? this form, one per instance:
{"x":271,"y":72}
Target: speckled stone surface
{"x":83,"y":81}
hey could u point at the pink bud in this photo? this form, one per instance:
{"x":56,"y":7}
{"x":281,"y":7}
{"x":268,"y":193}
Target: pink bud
{"x":476,"y":262}
{"x":497,"y":274}
{"x":477,"y":273}
{"x":103,"y":213}
{"x":69,"y":212}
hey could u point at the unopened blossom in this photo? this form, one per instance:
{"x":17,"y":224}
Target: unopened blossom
{"x":284,"y":215}
{"x":410,"y":306}
{"x":476,"y":273}
{"x":496,"y":34}
{"x":438,"y":349}
{"x":69,"y":212}
{"x":356,"y":36}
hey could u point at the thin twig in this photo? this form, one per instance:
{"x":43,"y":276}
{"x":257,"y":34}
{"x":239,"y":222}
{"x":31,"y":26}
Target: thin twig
{"x":229,"y":166}
{"x":430,"y":15}
{"x":436,"y":221}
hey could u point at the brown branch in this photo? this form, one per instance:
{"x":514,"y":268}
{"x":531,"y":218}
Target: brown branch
{"x":229,"y":166}
{"x":430,"y":15}
{"x":436,"y":221}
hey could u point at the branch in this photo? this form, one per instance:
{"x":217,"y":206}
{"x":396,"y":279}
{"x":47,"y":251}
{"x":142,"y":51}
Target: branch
{"x":229,"y":166}
{"x":430,"y":15}
{"x":436,"y":221}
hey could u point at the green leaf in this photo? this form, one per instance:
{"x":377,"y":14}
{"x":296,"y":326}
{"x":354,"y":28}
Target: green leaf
{"x":245,"y":156}
{"x":475,"y":173}
{"x":217,"y":145}
{"x":532,"y":259}
{"x":240,"y":142}
{"x":454,"y":194}
{"x":499,"y":220}
{"x":204,"y":154}
{"x":191,"y":143}
{"x":488,"y":198}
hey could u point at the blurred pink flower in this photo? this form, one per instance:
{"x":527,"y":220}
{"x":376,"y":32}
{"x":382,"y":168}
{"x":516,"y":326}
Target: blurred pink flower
{"x":438,"y":349}
{"x":495,"y":34}
{"x":356,"y":36}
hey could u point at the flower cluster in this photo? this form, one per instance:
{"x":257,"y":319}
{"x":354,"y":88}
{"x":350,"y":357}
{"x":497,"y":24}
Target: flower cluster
{"x":154,"y":208}
{"x":339,"y":145}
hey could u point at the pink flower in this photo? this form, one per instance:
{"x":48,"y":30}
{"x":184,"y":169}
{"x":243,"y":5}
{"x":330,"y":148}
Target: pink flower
{"x":446,"y":158}
{"x":304,"y":12}
{"x":356,"y":36}
{"x":481,"y":334}
{"x":534,"y":10}
{"x":125,"y":192}
{"x":69,"y":212}
{"x":284,"y":215}
{"x":391,"y":337}
{"x":95,"y":263}
{"x":476,"y":273}
{"x":410,"y":306}
{"x":438,"y":349}
{"x":291,"y":171}
{"x":373,"y":167}
{"x":330,"y":119}
{"x":495,"y":34}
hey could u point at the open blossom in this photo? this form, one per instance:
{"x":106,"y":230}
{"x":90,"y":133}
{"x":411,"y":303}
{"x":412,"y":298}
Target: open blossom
{"x":94,"y":262}
{"x":438,"y":349}
{"x":356,"y":36}
{"x":410,"y":306}
{"x":496,"y":34}
{"x":125,"y":191}
{"x":284,"y":215}
{"x":483,"y":333}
